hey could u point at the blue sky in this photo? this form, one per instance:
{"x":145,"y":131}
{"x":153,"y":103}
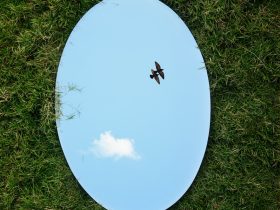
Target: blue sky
{"x":133,"y":144}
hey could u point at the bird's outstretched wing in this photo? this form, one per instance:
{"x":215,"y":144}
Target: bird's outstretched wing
{"x":161,"y":73}
{"x":157,"y":66}
{"x":156,"y":78}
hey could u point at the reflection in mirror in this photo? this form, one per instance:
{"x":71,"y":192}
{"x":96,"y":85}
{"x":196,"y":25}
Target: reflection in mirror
{"x":133,"y":104}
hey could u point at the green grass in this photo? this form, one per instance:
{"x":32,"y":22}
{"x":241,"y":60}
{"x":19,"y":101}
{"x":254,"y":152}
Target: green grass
{"x":240,"y":42}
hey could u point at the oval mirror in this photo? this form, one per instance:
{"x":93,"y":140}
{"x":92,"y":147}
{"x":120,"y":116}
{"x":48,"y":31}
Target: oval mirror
{"x":133,"y":104}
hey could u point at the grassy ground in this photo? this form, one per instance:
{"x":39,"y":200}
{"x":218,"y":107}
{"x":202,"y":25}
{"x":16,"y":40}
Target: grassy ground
{"x":240,"y":41}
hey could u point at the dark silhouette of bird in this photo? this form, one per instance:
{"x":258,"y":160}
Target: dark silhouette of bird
{"x":159,"y":72}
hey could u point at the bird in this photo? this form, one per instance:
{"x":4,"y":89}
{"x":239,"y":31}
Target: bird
{"x":158,"y":72}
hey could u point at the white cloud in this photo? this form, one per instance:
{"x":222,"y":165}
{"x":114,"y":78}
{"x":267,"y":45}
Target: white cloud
{"x":109,"y":146}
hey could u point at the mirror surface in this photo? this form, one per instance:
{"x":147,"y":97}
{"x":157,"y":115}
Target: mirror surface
{"x":130,"y":142}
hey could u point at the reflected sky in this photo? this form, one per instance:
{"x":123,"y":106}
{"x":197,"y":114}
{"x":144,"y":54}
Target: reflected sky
{"x":131,"y":143}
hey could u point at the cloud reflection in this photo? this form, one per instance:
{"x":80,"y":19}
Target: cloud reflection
{"x":108,"y":146}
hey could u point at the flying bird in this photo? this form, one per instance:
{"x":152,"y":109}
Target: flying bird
{"x":159,"y":72}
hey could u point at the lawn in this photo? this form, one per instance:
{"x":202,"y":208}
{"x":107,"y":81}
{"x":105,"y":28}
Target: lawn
{"x":240,"y":42}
